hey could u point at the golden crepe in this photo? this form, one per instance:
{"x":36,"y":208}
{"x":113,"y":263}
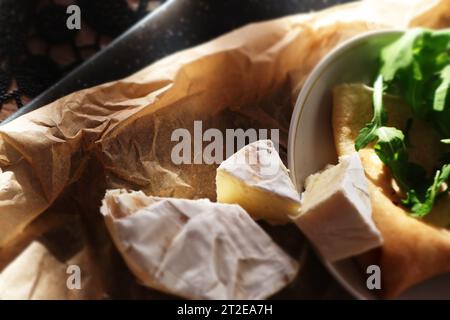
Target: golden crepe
{"x":414,"y":249}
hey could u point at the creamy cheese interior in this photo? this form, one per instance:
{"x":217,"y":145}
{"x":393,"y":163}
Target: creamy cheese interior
{"x":336,"y":212}
{"x":256,"y":179}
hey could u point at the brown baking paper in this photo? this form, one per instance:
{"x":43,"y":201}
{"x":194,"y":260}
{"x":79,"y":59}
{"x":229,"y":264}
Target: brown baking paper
{"x":118,"y":135}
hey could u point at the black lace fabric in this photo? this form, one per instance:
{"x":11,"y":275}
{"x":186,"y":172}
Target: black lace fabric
{"x":37,"y":48}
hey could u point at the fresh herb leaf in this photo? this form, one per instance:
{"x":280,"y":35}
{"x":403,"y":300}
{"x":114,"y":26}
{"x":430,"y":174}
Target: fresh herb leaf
{"x":410,"y":177}
{"x":415,"y":67}
{"x":369,"y":132}
{"x":391,"y":144}
{"x":421,"y":207}
{"x":400,"y":54}
{"x":440,"y":95}
{"x":391,"y":149}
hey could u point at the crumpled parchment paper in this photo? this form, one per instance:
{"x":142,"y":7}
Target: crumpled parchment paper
{"x":118,"y":135}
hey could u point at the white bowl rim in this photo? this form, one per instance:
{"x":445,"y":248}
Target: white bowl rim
{"x":312,"y":78}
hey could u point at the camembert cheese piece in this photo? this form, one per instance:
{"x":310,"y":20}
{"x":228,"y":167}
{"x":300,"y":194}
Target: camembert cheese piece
{"x":257,"y":180}
{"x":336,"y":213}
{"x":196,"y":249}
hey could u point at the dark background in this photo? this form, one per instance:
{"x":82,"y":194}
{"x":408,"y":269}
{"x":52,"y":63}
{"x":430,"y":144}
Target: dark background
{"x":175,"y":25}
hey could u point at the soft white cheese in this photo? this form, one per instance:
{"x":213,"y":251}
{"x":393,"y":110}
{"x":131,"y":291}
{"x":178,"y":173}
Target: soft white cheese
{"x":257,"y":180}
{"x":196,"y":249}
{"x":336,"y":213}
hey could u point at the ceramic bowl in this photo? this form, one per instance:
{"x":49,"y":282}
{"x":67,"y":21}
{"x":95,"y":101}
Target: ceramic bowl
{"x":311,"y":144}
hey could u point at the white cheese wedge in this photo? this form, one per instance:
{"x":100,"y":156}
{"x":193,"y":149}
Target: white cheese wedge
{"x":195,"y":249}
{"x":336,"y":213}
{"x":257,"y":180}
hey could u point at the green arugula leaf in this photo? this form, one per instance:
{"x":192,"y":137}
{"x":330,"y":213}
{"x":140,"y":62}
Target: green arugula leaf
{"x":421,"y":207}
{"x":390,"y":145}
{"x":368,"y":133}
{"x":410,"y":177}
{"x":391,"y":149}
{"x":416,"y":67}
{"x":400,"y":54}
{"x":440,"y":95}
{"x":440,"y":39}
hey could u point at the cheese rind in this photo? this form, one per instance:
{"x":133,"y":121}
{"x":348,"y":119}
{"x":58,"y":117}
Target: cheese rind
{"x":336,"y":213}
{"x":195,"y":248}
{"x":257,"y":180}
